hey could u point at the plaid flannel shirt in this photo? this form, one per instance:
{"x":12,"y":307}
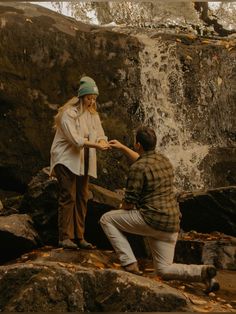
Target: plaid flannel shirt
{"x":150,"y":187}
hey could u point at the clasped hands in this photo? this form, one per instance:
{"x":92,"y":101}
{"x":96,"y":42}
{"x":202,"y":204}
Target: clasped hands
{"x":104,"y":145}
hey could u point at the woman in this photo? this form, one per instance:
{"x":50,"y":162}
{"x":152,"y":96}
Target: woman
{"x":73,"y":159}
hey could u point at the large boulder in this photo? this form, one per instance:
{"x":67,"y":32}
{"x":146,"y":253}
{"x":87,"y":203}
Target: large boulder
{"x":17,"y":236}
{"x":180,"y":84}
{"x":41,"y":202}
{"x":45,"y":286}
{"x":32,"y":288}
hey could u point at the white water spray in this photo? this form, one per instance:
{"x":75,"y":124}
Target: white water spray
{"x":159,"y":64}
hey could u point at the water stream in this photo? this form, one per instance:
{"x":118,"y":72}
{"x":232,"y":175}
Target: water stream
{"x":160,"y":68}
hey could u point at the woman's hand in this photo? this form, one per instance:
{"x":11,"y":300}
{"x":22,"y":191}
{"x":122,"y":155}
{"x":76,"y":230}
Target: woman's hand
{"x":116,"y":144}
{"x":103,"y":145}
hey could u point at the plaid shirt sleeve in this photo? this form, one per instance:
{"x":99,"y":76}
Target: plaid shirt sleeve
{"x":134,"y":185}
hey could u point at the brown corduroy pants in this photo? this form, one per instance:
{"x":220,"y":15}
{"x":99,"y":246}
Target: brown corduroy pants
{"x":73,"y":197}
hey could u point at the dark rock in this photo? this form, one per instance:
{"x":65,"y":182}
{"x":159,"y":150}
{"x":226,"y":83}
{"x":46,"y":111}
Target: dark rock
{"x":211,"y":210}
{"x":10,"y":204}
{"x":215,"y":248}
{"x":11,"y":201}
{"x":17,"y":236}
{"x":40,"y":202}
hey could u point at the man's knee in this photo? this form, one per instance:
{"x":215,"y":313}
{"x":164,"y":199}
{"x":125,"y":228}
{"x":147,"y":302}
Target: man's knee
{"x":105,"y":219}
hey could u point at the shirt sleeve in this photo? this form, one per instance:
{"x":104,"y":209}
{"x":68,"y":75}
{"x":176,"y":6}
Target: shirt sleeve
{"x":100,"y":132}
{"x":134,"y":185}
{"x":68,"y":126}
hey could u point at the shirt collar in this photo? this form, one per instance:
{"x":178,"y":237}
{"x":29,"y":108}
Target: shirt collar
{"x":147,"y":153}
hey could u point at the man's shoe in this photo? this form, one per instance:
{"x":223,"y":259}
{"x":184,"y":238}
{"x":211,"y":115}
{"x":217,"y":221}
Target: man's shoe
{"x":133,"y":268}
{"x":83,"y":244}
{"x":212,"y":286}
{"x":208,"y":274}
{"x":67,"y":244}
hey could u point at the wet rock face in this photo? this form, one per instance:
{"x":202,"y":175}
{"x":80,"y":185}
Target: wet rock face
{"x":189,"y":99}
{"x":178,"y":84}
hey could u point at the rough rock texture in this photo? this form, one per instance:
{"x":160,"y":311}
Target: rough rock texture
{"x":17,"y":236}
{"x":40,"y":202}
{"x":182,"y":85}
{"x":94,"y":262}
{"x":43,"y":56}
{"x":68,"y":287}
{"x":211,"y":210}
{"x":32,"y":288}
{"x":215,"y":248}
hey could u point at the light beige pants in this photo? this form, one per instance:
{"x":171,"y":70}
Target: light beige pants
{"x":162,"y":244}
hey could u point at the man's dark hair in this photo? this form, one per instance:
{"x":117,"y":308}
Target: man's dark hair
{"x":146,"y":137}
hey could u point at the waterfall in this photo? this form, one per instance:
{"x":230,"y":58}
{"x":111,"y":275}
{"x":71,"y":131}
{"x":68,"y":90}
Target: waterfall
{"x":161,"y":107}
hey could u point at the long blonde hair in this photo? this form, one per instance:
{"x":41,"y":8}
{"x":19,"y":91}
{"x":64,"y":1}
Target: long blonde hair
{"x":74,"y":101}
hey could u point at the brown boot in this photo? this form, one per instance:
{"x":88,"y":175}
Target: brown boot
{"x":67,"y":244}
{"x":83,"y":244}
{"x":133,"y":268}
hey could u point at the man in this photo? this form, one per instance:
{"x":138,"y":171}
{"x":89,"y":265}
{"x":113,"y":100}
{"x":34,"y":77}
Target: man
{"x":150,"y":209}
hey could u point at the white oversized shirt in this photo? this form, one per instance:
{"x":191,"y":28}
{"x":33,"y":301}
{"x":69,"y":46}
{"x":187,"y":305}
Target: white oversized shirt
{"x":68,"y":144}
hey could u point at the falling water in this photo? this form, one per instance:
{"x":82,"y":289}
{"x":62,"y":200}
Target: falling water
{"x":159,"y":65}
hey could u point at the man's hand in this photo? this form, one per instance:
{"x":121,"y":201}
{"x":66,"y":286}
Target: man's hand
{"x":131,"y":154}
{"x":116,"y":144}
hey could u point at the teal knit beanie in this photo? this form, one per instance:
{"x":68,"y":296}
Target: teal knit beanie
{"x":87,"y":86}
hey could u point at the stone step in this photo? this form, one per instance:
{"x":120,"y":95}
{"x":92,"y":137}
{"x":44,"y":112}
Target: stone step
{"x":198,"y":248}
